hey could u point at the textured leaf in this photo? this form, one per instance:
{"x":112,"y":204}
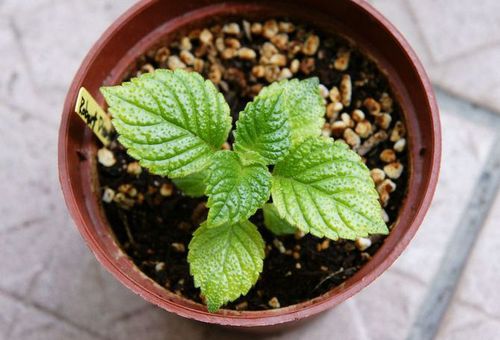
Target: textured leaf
{"x":171,"y":121}
{"x":324,"y":188}
{"x":225,"y":261}
{"x":192,"y":185}
{"x":263,"y":127}
{"x":274,"y":222}
{"x":305,"y":106}
{"x":236,"y":188}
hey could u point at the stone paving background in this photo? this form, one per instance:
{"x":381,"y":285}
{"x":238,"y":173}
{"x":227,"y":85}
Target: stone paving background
{"x":51,"y":287}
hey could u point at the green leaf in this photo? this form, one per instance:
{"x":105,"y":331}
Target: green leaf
{"x":263,"y":127}
{"x":192,"y":185}
{"x":225,"y":261}
{"x":171,"y":121}
{"x":274,"y":222}
{"x":324,"y":188}
{"x":304,"y":104}
{"x":236,"y":188}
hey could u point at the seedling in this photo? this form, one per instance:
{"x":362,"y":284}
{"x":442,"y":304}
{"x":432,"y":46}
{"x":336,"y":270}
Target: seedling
{"x":175,"y":123}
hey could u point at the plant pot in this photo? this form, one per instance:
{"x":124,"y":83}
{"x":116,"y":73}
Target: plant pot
{"x":139,"y":29}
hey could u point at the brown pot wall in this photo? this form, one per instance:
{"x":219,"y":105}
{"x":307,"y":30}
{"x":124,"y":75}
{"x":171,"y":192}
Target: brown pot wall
{"x":150,"y":21}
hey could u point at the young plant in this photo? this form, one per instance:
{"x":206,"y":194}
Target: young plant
{"x":175,"y":122}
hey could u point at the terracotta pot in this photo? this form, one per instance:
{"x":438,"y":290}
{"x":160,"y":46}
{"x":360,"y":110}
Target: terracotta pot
{"x":149,"y":21}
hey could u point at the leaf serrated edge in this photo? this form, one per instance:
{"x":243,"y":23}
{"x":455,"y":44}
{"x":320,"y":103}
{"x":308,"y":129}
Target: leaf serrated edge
{"x":285,"y":213}
{"x":256,"y":259}
{"x":111,"y":94}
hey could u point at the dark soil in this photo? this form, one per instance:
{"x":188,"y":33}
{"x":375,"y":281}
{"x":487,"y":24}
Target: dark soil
{"x":154,"y":226}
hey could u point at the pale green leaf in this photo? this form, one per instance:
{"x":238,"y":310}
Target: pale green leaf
{"x":324,"y":188}
{"x":171,"y":121}
{"x":304,"y":104}
{"x":274,"y":222}
{"x":225,"y":261}
{"x":236,"y":188}
{"x":192,"y":185}
{"x":263,"y":127}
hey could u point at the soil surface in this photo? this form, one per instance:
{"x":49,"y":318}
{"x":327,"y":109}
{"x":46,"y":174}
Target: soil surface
{"x":153,"y":221}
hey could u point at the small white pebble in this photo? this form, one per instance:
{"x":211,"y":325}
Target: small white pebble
{"x":186,"y":44}
{"x":229,"y":53}
{"x":347,"y":119}
{"x":364,"y":129}
{"x":174,"y":63}
{"x":246,"y":53}
{"x":278,"y":60}
{"x":242,"y":305}
{"x":386,"y":186}
{"x":383,"y":120}
{"x":378,"y":175}
{"x":342,"y":61}
{"x":106,"y":157}
{"x":325,"y":244}
{"x":363,"y":243}
{"x":280,"y":40}
{"x":219,"y":44}
{"x":128,"y":189}
{"x":270,"y":29}
{"x":232,"y":43}
{"x":246,"y":29}
{"x":331,"y":113}
{"x":386,"y":102}
{"x":206,"y":37}
{"x":198,"y":65}
{"x":388,"y":156}
{"x":358,"y":115}
{"x":187,"y":57}
{"x":323,"y":91}
{"x":294,"y":66}
{"x":125,"y":202}
{"x":393,"y":170}
{"x":400,"y":145}
{"x":335,"y":94}
{"x":286,"y":27}
{"x":352,"y":138}
{"x":279,"y":245}
{"x":327,"y":132}
{"x":166,"y":189}
{"x":398,"y":131}
{"x":108,"y":195}
{"x":274,"y":303}
{"x":258,"y":71}
{"x":338,"y":127}
{"x":372,"y":105}
{"x":337,"y":106}
{"x":178,"y":247}
{"x":148,"y":68}
{"x":385,"y":217}
{"x":299,"y":234}
{"x":285,"y":74}
{"x":134,"y":168}
{"x":160,"y":266}
{"x":346,"y":89}
{"x":231,"y":28}
{"x":256,"y":28}
{"x":311,"y":45}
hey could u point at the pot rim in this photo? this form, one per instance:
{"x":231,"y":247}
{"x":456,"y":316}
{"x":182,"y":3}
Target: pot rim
{"x":247,"y":318}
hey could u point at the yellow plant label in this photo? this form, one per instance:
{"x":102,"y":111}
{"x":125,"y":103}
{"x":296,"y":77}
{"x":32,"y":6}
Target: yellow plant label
{"x":94,"y":116}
